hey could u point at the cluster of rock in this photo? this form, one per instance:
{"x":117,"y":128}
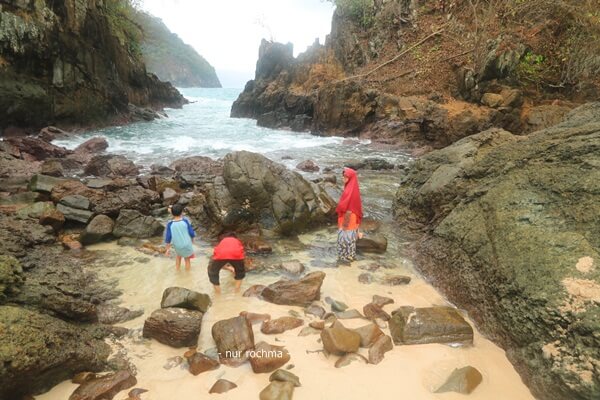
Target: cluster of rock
{"x":511,"y":233}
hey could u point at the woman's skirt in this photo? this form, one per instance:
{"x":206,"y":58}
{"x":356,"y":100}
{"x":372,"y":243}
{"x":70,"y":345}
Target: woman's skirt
{"x":346,"y":245}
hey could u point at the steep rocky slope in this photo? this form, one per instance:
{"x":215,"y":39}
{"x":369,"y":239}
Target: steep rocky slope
{"x":431,"y":72}
{"x":510,"y":231}
{"x":170,"y":58}
{"x":73,"y":62}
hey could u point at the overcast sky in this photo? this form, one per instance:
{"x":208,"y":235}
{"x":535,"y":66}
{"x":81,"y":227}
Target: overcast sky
{"x":228,"y":32}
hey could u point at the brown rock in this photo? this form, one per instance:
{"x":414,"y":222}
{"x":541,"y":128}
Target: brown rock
{"x":349,"y":358}
{"x":316,"y":310}
{"x":201,"y":363}
{"x":105,"y":387}
{"x":410,"y":325}
{"x":308,"y":166}
{"x":234,"y":337}
{"x":280,"y":325}
{"x":308,"y":330}
{"x":83,"y":377}
{"x":368,"y":334}
{"x":382,"y":345}
{"x":295,"y":293}
{"x":111,"y":165}
{"x":382,"y":300}
{"x":463,"y":380}
{"x":71,"y":242}
{"x":365,"y":278}
{"x":256,"y":245}
{"x":317,"y":325}
{"x":373,"y":311}
{"x":339,"y":340}
{"x":255,"y":318}
{"x":282,"y":375}
{"x":277,"y":390}
{"x":267,"y":357}
{"x":175,"y":327}
{"x":53,"y":218}
{"x":254,"y":291}
{"x":396,"y":280}
{"x":52,"y":167}
{"x":222,"y":386}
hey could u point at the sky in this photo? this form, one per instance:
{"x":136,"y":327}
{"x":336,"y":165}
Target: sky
{"x":227,"y":33}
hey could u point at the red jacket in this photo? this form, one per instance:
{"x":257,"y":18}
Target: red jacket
{"x":229,"y":248}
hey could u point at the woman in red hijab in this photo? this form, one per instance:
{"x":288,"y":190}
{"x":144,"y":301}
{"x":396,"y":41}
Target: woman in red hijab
{"x":349,"y":211}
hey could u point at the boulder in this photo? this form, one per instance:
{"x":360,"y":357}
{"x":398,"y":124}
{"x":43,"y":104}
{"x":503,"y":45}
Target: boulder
{"x":368,"y":334}
{"x":365,"y":278}
{"x":267,"y":357}
{"x":52,"y":217}
{"x":105,"y":387}
{"x":233,"y":337}
{"x":282,"y":375}
{"x":91,"y":146}
{"x":376,"y":243}
{"x":382,"y":345}
{"x":277,"y":390}
{"x":198,"y":165}
{"x":295,"y":293}
{"x":111,"y":165}
{"x":37,"y":149}
{"x":185,"y":298}
{"x":132,"y":223}
{"x":42,"y":351}
{"x":308,"y":166}
{"x":339,"y":340}
{"x":99,"y":228}
{"x":175,"y":327}
{"x":411,"y":325}
{"x":199,"y":363}
{"x":280,"y":325}
{"x":43,"y":183}
{"x":461,"y":380}
{"x":76,"y":201}
{"x":52,"y":167}
{"x":222,"y":386}
{"x":35,"y":210}
{"x":75,"y":214}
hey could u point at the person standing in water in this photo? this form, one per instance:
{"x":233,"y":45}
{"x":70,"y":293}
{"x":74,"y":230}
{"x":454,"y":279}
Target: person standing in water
{"x":349,"y":211}
{"x":179,"y":235}
{"x":230,"y":250}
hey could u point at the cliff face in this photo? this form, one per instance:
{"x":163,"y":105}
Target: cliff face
{"x":430,"y":72}
{"x":171,"y":59}
{"x":72,"y":62}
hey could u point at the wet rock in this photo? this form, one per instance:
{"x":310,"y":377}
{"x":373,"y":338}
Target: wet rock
{"x":134,"y":394}
{"x":109,"y":314}
{"x":198,"y":164}
{"x":111,"y":165}
{"x":280,"y":325}
{"x":170,"y":196}
{"x":282,"y":375}
{"x":37,"y":149}
{"x":463,"y":380}
{"x":308,"y":166}
{"x":52,"y":217}
{"x":365,"y":278}
{"x":35,"y":210}
{"x":222,"y":386}
{"x":75,"y":214}
{"x":132,"y":223}
{"x":349,"y":358}
{"x":373,"y":311}
{"x":349,"y":314}
{"x":99,"y":228}
{"x":184,"y":298}
{"x":395,"y":280}
{"x":295,"y":293}
{"x":372,"y":244}
{"x":254,"y":318}
{"x":83,"y":377}
{"x":71,"y":242}
{"x":277,"y":390}
{"x":76,"y":201}
{"x":254,"y":291}
{"x":52,"y":167}
{"x":317,"y":325}
{"x":382,"y":300}
{"x":43,"y":183}
{"x":339,"y":340}
{"x":256,"y":245}
{"x":382,"y":345}
{"x":267,"y":357}
{"x":11,"y":277}
{"x":316,"y":310}
{"x":201,"y":363}
{"x":105,"y":387}
{"x":336,"y":306}
{"x":233,"y":337}
{"x":411,"y":325}
{"x":49,"y":351}
{"x":175,"y":327}
{"x":92,"y":146}
{"x":368,"y":334}
{"x":376,"y":164}
{"x":293,"y":267}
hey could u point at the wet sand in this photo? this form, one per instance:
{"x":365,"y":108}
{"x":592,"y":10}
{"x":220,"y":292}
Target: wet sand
{"x":408,"y":372}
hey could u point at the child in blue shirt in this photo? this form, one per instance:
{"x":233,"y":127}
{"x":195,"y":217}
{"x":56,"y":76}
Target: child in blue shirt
{"x":179,"y":234}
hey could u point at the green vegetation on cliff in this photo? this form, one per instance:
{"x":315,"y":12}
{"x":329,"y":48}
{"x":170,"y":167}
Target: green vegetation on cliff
{"x":170,"y":58}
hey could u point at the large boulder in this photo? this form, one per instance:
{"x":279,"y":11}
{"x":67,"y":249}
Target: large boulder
{"x":410,"y":325}
{"x":512,"y":236}
{"x":256,"y":190}
{"x":175,"y":327}
{"x":38,"y":351}
{"x":234,"y":337}
{"x":99,"y":228}
{"x":300,"y":292}
{"x":131,"y":223}
{"x":111,"y":165}
{"x":185,"y":298}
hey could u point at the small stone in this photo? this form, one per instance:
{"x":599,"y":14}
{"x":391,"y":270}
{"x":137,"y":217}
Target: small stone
{"x":308,"y":330}
{"x":201,"y":363}
{"x":277,"y":390}
{"x":365,"y":278}
{"x":463,"y":380}
{"x":396,"y":280}
{"x":267,"y":357}
{"x":280,"y":325}
{"x":317,"y":325}
{"x":233,"y":337}
{"x":373,"y":311}
{"x":336,"y":305}
{"x":173,"y":362}
{"x":382,"y":345}
{"x":282,"y":375}
{"x":349,"y":314}
{"x":315,"y":310}
{"x":293,"y":267}
{"x":222,"y":386}
{"x":381,"y":300}
{"x":134,"y":394}
{"x":340,"y":340}
{"x":349,"y":358}
{"x":255,"y":318}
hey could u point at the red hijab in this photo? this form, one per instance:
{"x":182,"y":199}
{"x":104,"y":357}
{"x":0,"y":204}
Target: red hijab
{"x":350,"y":200}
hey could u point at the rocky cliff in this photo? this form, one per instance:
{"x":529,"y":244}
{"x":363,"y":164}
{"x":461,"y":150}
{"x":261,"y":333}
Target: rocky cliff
{"x":510,"y":231}
{"x":430,"y":72}
{"x":170,"y":58}
{"x":73,"y":62}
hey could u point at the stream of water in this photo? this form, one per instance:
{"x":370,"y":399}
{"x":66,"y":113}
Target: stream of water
{"x":409,"y":372}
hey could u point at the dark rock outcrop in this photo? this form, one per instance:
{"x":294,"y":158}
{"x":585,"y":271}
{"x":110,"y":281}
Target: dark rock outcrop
{"x":512,"y":236}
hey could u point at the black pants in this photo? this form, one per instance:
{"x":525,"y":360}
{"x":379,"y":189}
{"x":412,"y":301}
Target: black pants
{"x":214,"y":267}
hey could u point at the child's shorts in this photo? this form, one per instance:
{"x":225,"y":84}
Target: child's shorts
{"x":214,"y":267}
